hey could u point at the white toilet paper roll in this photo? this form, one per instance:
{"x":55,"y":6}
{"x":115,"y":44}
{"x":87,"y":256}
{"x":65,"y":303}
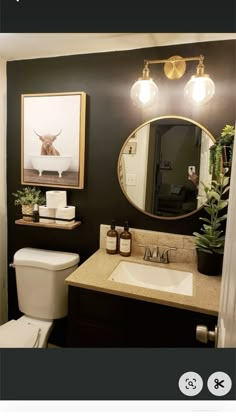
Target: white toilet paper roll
{"x":45,"y":211}
{"x":56,"y":199}
{"x":66,"y":213}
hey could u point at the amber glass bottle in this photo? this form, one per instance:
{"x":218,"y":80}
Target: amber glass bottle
{"x":112,"y":239}
{"x":125,"y":241}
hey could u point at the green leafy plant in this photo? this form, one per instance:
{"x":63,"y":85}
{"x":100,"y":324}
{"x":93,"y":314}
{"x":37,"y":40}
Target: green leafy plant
{"x":212,"y":238}
{"x":29,"y":195}
{"x":227,"y":134}
{"x":221,"y":152}
{"x":212,"y":158}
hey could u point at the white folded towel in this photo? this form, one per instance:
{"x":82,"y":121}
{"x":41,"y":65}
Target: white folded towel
{"x":15,"y":334}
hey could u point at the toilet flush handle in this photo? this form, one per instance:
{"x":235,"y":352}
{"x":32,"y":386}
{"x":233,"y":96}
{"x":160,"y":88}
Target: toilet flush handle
{"x":12,"y":265}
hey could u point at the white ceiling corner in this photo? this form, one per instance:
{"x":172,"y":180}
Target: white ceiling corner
{"x":20,"y":46}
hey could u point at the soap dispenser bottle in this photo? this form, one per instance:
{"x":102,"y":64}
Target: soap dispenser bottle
{"x":125,"y":241}
{"x":112,"y":239}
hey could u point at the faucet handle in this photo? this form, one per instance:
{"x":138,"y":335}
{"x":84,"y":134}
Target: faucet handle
{"x":147,"y":252}
{"x":165,"y":254}
{"x":155,"y":251}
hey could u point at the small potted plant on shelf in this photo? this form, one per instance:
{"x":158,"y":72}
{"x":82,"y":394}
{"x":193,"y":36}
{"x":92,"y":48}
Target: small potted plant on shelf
{"x":210,"y":243}
{"x":27,"y":197}
{"x":221,"y":152}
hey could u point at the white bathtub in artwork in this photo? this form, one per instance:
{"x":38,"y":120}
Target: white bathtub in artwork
{"x":51,"y":163}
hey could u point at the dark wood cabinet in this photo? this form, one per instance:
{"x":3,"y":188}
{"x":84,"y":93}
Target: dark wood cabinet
{"x":98,"y":319}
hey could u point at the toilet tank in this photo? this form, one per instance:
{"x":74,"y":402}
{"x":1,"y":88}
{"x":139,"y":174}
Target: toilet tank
{"x":40,"y":281}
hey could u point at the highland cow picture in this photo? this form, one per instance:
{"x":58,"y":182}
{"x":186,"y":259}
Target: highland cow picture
{"x":53,"y":139}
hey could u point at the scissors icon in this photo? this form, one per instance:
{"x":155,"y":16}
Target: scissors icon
{"x":218,"y":383}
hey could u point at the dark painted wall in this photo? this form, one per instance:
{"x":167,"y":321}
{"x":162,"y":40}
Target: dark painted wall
{"x":111,"y":117}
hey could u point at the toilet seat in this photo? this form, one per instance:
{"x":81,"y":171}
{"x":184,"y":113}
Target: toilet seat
{"x":15,"y":334}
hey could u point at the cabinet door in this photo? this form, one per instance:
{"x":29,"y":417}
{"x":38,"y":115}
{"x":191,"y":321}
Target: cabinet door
{"x":154,"y":325}
{"x":102,"y":320}
{"x":95,"y":319}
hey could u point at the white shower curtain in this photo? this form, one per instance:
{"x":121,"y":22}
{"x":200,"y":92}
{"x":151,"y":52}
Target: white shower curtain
{"x":3,"y":194}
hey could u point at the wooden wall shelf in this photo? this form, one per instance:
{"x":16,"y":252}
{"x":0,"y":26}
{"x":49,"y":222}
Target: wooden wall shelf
{"x":48,"y":225}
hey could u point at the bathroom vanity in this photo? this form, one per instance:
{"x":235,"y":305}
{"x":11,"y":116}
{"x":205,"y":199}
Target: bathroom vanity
{"x":108,"y":313}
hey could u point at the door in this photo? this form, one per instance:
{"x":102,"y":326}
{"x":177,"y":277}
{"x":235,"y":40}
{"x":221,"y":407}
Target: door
{"x":227,"y":311}
{"x":151,"y":170}
{"x":204,"y":175}
{"x":225,"y":333}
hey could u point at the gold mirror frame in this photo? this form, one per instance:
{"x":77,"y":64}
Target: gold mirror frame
{"x":122,"y":151}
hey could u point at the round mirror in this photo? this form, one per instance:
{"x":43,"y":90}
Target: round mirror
{"x":162,"y":165}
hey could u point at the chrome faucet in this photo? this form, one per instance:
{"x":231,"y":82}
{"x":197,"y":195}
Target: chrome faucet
{"x":154,"y":255}
{"x":155,"y":252}
{"x":164,"y":257}
{"x":147,"y":252}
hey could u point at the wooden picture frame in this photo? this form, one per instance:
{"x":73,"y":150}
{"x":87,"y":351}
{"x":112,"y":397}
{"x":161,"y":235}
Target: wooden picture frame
{"x":53,"y":139}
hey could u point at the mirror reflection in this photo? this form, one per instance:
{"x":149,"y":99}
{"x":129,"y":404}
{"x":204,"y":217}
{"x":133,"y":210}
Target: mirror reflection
{"x":162,"y":164}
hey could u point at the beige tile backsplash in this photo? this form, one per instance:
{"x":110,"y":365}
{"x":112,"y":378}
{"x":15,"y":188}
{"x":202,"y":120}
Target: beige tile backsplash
{"x":185,"y":245}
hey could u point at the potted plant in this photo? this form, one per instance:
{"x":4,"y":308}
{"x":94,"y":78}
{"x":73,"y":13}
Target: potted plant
{"x":210,"y":243}
{"x":221,"y":152}
{"x":27,"y":197}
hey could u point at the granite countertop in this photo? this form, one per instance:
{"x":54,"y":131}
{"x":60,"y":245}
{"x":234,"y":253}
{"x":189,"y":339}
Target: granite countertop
{"x":94,"y":272}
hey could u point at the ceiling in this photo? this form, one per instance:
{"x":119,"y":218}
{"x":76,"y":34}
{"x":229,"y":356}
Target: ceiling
{"x":19,"y":46}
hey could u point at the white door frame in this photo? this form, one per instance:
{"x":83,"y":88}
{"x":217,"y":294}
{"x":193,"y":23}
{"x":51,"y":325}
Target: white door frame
{"x":227,"y":309}
{"x":3,"y":194}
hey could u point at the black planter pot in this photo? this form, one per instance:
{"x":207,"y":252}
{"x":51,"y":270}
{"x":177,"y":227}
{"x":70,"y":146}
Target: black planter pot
{"x":209,"y":264}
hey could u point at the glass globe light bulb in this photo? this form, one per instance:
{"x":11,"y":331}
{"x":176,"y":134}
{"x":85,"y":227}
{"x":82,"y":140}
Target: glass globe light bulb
{"x":199,"y":89}
{"x":144,"y":93}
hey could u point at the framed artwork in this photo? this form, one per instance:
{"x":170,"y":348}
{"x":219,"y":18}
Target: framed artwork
{"x":53,"y":139}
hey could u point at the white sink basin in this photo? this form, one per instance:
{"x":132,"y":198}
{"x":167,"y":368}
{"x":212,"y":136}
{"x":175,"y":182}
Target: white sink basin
{"x":150,"y":277}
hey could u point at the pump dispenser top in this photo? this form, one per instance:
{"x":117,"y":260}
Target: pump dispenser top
{"x":125,"y":241}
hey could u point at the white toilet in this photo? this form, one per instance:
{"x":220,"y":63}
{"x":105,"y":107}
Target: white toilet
{"x":42,"y":295}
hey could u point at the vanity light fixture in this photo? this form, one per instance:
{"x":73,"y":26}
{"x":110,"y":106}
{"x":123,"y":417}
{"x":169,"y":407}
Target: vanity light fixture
{"x":199,"y":89}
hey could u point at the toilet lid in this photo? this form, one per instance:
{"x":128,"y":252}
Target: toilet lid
{"x":17,"y":335}
{"x":50,"y":260}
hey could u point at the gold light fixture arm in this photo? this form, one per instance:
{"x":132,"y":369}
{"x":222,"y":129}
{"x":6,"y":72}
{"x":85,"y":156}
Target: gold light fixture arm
{"x":173,"y":60}
{"x":175,"y":66}
{"x":145,"y":71}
